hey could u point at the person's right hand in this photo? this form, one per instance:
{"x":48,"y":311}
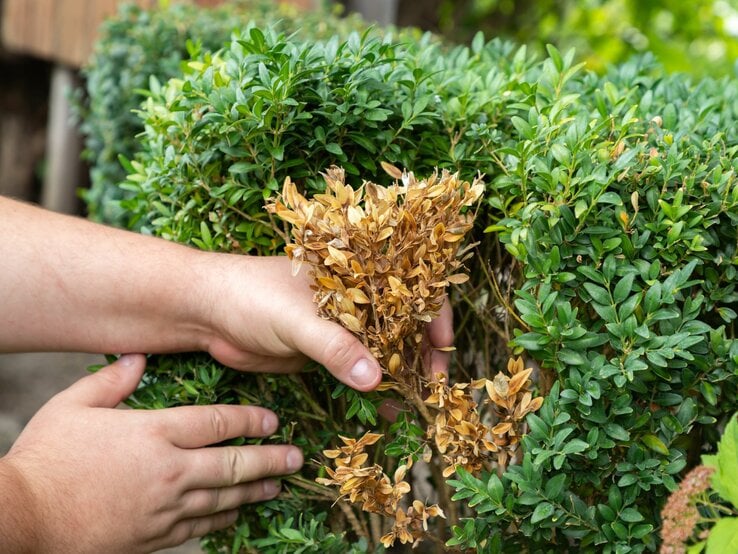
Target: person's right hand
{"x":100,"y":479}
{"x":262,"y":318}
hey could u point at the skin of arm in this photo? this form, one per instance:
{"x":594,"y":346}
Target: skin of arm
{"x":67,"y":284}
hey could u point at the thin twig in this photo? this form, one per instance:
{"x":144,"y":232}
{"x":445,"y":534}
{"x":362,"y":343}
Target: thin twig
{"x":493,"y":280}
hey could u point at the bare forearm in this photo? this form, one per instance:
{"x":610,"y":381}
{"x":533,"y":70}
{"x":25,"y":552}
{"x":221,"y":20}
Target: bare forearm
{"x":68,"y":284}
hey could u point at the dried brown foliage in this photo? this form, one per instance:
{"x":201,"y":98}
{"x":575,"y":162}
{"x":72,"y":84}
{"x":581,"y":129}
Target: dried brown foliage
{"x":463,"y":438}
{"x":373,"y":489}
{"x":381,"y":259}
{"x":512,"y":400}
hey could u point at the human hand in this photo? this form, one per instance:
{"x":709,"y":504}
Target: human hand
{"x":273,"y":325}
{"x":99,"y":479}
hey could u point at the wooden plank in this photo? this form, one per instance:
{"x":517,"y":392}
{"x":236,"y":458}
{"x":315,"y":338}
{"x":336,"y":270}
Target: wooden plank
{"x":64,"y":31}
{"x":63,"y":147}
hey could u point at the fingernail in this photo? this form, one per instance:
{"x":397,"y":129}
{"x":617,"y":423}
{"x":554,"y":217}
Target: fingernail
{"x":269,"y":423}
{"x":271,"y":488}
{"x":127,"y":360}
{"x":294,"y":460}
{"x":363,"y":373}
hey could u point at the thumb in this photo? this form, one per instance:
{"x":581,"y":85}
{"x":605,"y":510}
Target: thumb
{"x":341,"y":353}
{"x":110,"y":385}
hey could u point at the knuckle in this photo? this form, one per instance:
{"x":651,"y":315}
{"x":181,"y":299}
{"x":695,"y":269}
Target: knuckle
{"x":251,"y":492}
{"x":180,"y":532}
{"x":340,"y":349}
{"x":272,"y":464}
{"x":218,"y":423}
{"x":170,"y":473}
{"x":154,"y":426}
{"x":192,"y":528}
{"x":109,"y":378}
{"x":214,"y":500}
{"x":275,"y":461}
{"x":251,"y":417}
{"x":222,"y":520}
{"x":232,"y":466}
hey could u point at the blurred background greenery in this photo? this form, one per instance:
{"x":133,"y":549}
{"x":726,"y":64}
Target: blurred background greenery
{"x":695,"y":36}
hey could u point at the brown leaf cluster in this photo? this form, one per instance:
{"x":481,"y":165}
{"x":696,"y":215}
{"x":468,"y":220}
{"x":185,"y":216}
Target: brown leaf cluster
{"x":511,"y":399}
{"x":381,"y":257}
{"x":369,"y":486}
{"x":461,"y":436}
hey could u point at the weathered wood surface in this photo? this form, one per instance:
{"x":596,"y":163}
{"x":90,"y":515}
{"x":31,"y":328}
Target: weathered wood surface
{"x":59,"y":30}
{"x":23,"y":113}
{"x":64,"y":31}
{"x":63,"y":147}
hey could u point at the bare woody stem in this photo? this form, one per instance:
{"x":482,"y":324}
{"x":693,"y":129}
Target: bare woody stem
{"x":419,"y":404}
{"x":326,"y":493}
{"x":444,"y":493}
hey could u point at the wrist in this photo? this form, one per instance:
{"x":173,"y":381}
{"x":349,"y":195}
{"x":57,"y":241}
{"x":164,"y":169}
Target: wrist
{"x":19,"y":522}
{"x":218,"y":291}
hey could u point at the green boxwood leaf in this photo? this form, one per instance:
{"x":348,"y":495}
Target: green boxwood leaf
{"x":631,"y":515}
{"x":555,"y":486}
{"x":598,"y":294}
{"x":610,"y":198}
{"x":617,"y":432}
{"x":575,"y":446}
{"x":544,"y":510}
{"x":623,"y":288}
{"x":655,"y":444}
{"x":334,"y":148}
{"x":522,"y":126}
{"x":571,"y":357}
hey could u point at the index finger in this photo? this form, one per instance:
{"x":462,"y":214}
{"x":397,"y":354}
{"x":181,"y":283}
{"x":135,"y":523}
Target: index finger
{"x":198,"y":426}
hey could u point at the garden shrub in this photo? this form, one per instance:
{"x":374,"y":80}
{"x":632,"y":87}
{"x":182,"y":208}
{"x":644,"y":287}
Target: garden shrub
{"x":138,"y":46}
{"x":268,"y":108}
{"x":627,"y":243}
{"x":606,"y":257}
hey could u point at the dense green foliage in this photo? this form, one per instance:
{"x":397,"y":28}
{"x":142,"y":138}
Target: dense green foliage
{"x":135,"y":45}
{"x":222,"y":140}
{"x":139,"y":45}
{"x":607,"y":255}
